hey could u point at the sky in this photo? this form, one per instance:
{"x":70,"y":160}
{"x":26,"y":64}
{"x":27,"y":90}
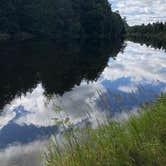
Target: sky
{"x":141,"y":11}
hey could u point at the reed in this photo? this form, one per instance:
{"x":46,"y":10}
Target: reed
{"x":139,"y":141}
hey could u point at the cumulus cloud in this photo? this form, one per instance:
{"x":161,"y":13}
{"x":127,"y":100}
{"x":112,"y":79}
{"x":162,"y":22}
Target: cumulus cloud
{"x":6,"y":117}
{"x":19,"y":155}
{"x":144,"y":65}
{"x":141,"y":11}
{"x":127,"y":89}
{"x":36,"y":109}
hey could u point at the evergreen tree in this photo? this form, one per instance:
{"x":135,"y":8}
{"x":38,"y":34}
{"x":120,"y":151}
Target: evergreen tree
{"x":61,"y":19}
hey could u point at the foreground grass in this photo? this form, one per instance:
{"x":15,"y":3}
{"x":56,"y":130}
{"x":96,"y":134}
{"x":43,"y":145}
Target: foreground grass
{"x":139,"y":141}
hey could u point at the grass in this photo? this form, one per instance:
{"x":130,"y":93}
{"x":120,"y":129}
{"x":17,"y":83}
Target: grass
{"x":139,"y":141}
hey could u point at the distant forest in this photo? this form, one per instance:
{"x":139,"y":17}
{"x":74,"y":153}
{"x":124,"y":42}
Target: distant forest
{"x":151,"y":30}
{"x":152,"y":34}
{"x":60,"y":19}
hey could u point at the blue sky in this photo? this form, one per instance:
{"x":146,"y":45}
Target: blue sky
{"x":141,"y":11}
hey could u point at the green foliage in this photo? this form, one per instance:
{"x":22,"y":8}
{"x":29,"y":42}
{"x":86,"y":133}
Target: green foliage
{"x":140,"y":141}
{"x":152,"y":34}
{"x":60,"y":19}
{"x":156,"y":29}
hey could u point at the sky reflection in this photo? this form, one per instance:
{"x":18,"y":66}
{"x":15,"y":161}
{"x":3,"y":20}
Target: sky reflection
{"x":139,"y":71}
{"x":135,"y":76}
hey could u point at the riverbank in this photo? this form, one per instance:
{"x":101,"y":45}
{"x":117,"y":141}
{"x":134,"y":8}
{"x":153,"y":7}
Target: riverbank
{"x":139,"y":141}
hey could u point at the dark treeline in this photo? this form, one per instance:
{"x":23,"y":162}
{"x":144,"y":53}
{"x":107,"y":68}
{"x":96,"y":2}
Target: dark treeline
{"x":58,"y":67}
{"x":153,"y":35}
{"x":155,"y":29}
{"x":148,"y":41}
{"x":60,"y":19}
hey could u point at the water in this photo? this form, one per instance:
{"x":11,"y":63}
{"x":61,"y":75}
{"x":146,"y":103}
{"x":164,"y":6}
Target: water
{"x":42,"y":83}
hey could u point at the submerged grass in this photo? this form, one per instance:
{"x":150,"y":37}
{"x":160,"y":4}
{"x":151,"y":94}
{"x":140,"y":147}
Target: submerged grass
{"x":140,"y":141}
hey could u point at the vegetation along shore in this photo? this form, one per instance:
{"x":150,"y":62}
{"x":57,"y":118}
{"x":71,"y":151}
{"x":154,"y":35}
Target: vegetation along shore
{"x":156,"y":30}
{"x":141,"y":140}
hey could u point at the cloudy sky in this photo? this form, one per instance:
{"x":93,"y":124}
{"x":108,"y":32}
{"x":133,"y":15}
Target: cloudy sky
{"x":141,"y":11}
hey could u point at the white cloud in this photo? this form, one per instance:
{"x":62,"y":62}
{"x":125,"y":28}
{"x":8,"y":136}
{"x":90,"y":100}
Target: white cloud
{"x":21,"y":155}
{"x":140,"y":63}
{"x":6,"y":117}
{"x":141,"y":11}
{"x":128,"y":89}
{"x":41,"y":111}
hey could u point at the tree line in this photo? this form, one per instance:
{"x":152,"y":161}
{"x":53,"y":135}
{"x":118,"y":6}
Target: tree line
{"x":61,"y":19}
{"x":154,"y":29}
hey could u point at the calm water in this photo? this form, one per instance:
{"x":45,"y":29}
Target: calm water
{"x":90,"y":83}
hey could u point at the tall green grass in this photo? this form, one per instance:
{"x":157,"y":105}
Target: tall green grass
{"x":139,"y":141}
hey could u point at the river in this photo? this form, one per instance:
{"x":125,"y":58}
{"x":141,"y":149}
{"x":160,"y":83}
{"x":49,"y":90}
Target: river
{"x":43,"y":85}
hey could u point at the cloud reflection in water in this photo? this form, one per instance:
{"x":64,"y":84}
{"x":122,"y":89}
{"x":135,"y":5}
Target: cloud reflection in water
{"x":137,"y":75}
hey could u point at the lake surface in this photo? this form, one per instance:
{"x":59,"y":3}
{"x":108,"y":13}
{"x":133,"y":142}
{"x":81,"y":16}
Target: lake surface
{"x":42,"y":83}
